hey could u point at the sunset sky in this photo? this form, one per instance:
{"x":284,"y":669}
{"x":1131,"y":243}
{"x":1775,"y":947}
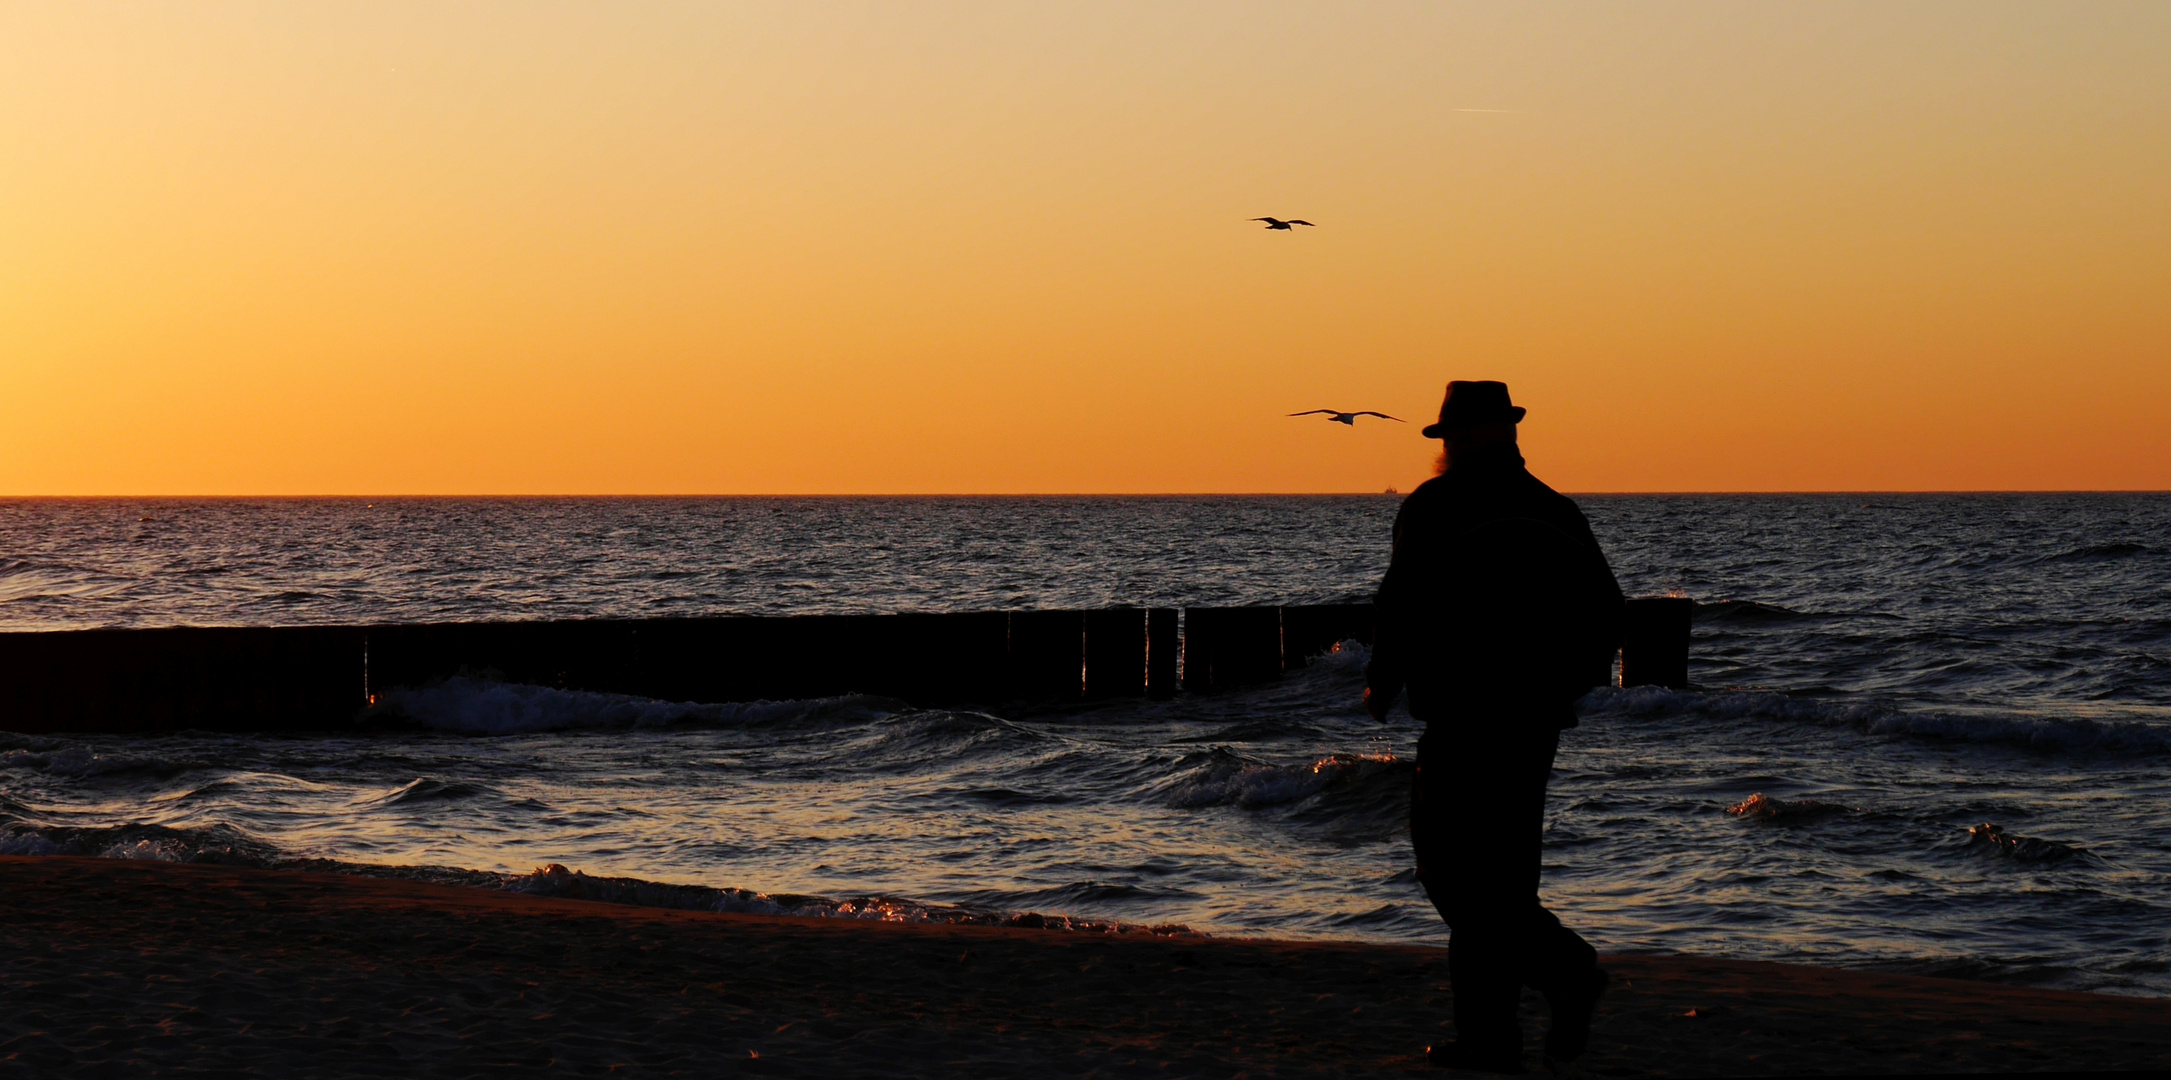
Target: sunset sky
{"x":976,"y":247}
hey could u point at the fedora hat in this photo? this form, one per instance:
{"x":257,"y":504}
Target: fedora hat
{"x":1469,"y":404}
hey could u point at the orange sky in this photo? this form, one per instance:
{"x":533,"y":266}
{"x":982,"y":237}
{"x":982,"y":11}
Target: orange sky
{"x":555,"y":248}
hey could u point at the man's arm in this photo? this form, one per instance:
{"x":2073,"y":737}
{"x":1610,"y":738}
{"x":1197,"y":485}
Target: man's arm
{"x":1609,"y":610}
{"x":1384,"y":675}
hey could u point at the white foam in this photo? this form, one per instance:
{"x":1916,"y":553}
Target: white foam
{"x":155,"y":843}
{"x":152,"y":850}
{"x":556,"y":880}
{"x":30,"y":843}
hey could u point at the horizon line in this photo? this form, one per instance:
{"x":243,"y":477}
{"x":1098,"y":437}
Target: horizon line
{"x":1068,"y":494}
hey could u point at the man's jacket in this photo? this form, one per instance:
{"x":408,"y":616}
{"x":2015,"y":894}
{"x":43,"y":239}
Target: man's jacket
{"x":1498,"y":604}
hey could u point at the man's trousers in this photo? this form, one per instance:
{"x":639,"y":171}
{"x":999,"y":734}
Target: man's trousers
{"x":1477,"y":818}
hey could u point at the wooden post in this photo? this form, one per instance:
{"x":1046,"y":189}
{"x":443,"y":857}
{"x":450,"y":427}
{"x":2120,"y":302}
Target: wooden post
{"x":1163,"y":645}
{"x":926,"y":658}
{"x":1115,"y":653}
{"x":1047,"y":655}
{"x":300,"y":678}
{"x":224,"y":678}
{"x":1229,"y":647}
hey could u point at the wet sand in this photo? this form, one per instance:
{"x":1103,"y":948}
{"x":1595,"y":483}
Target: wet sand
{"x":114,"y":967}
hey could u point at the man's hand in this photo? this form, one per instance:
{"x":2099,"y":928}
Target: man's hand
{"x":1378,"y":704}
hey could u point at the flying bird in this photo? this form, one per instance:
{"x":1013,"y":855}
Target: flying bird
{"x":1350,"y":418}
{"x":1277,"y":223}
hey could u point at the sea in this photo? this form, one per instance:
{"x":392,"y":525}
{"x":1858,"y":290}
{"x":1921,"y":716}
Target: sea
{"x":1924,"y":733}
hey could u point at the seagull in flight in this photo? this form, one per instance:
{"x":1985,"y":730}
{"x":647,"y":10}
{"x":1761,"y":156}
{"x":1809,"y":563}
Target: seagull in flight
{"x":1277,"y":223}
{"x":1350,"y":418}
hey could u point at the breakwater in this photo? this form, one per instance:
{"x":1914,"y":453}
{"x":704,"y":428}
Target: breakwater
{"x":319,"y":677}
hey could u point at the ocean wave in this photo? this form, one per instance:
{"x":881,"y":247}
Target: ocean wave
{"x":30,"y":580}
{"x":1086,"y":892}
{"x":1763,"y":807}
{"x":2046,"y":733}
{"x":1012,"y":797}
{"x":83,"y":763}
{"x":226,"y":845}
{"x":425,"y":790}
{"x":1223,"y":778}
{"x":1746,"y":612}
{"x":2096,"y":553}
{"x":1757,"y":613}
{"x":471,"y":706}
{"x":238,"y":786}
{"x":221,"y":844}
{"x":906,"y":739}
{"x":2029,"y":849}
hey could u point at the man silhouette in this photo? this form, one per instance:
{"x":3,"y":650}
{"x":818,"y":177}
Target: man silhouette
{"x":1497,"y":612}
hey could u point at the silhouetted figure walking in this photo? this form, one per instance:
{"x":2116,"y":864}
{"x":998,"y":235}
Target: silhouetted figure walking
{"x":1277,"y":223}
{"x":1497,"y":612}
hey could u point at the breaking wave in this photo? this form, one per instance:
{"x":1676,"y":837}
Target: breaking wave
{"x":1992,"y":838}
{"x":557,"y":881}
{"x":1763,"y":807}
{"x":2046,"y":733}
{"x":424,"y":791}
{"x":1222,"y":778}
{"x":222,"y":844}
{"x":226,"y":845}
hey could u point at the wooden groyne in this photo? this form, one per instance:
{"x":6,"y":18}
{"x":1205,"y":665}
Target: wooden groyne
{"x":315,"y":678}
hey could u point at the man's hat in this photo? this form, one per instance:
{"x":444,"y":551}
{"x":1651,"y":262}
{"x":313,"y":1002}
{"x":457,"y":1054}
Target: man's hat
{"x":1469,"y":404}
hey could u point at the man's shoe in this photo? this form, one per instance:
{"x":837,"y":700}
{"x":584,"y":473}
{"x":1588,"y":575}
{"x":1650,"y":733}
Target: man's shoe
{"x":1570,"y":1034}
{"x":1455,"y":1055}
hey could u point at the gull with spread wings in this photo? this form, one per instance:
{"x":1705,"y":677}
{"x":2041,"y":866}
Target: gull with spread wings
{"x":1277,"y":223}
{"x":1349,"y":418}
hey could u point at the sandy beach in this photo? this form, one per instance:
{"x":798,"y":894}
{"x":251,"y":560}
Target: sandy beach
{"x":115,"y":967}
